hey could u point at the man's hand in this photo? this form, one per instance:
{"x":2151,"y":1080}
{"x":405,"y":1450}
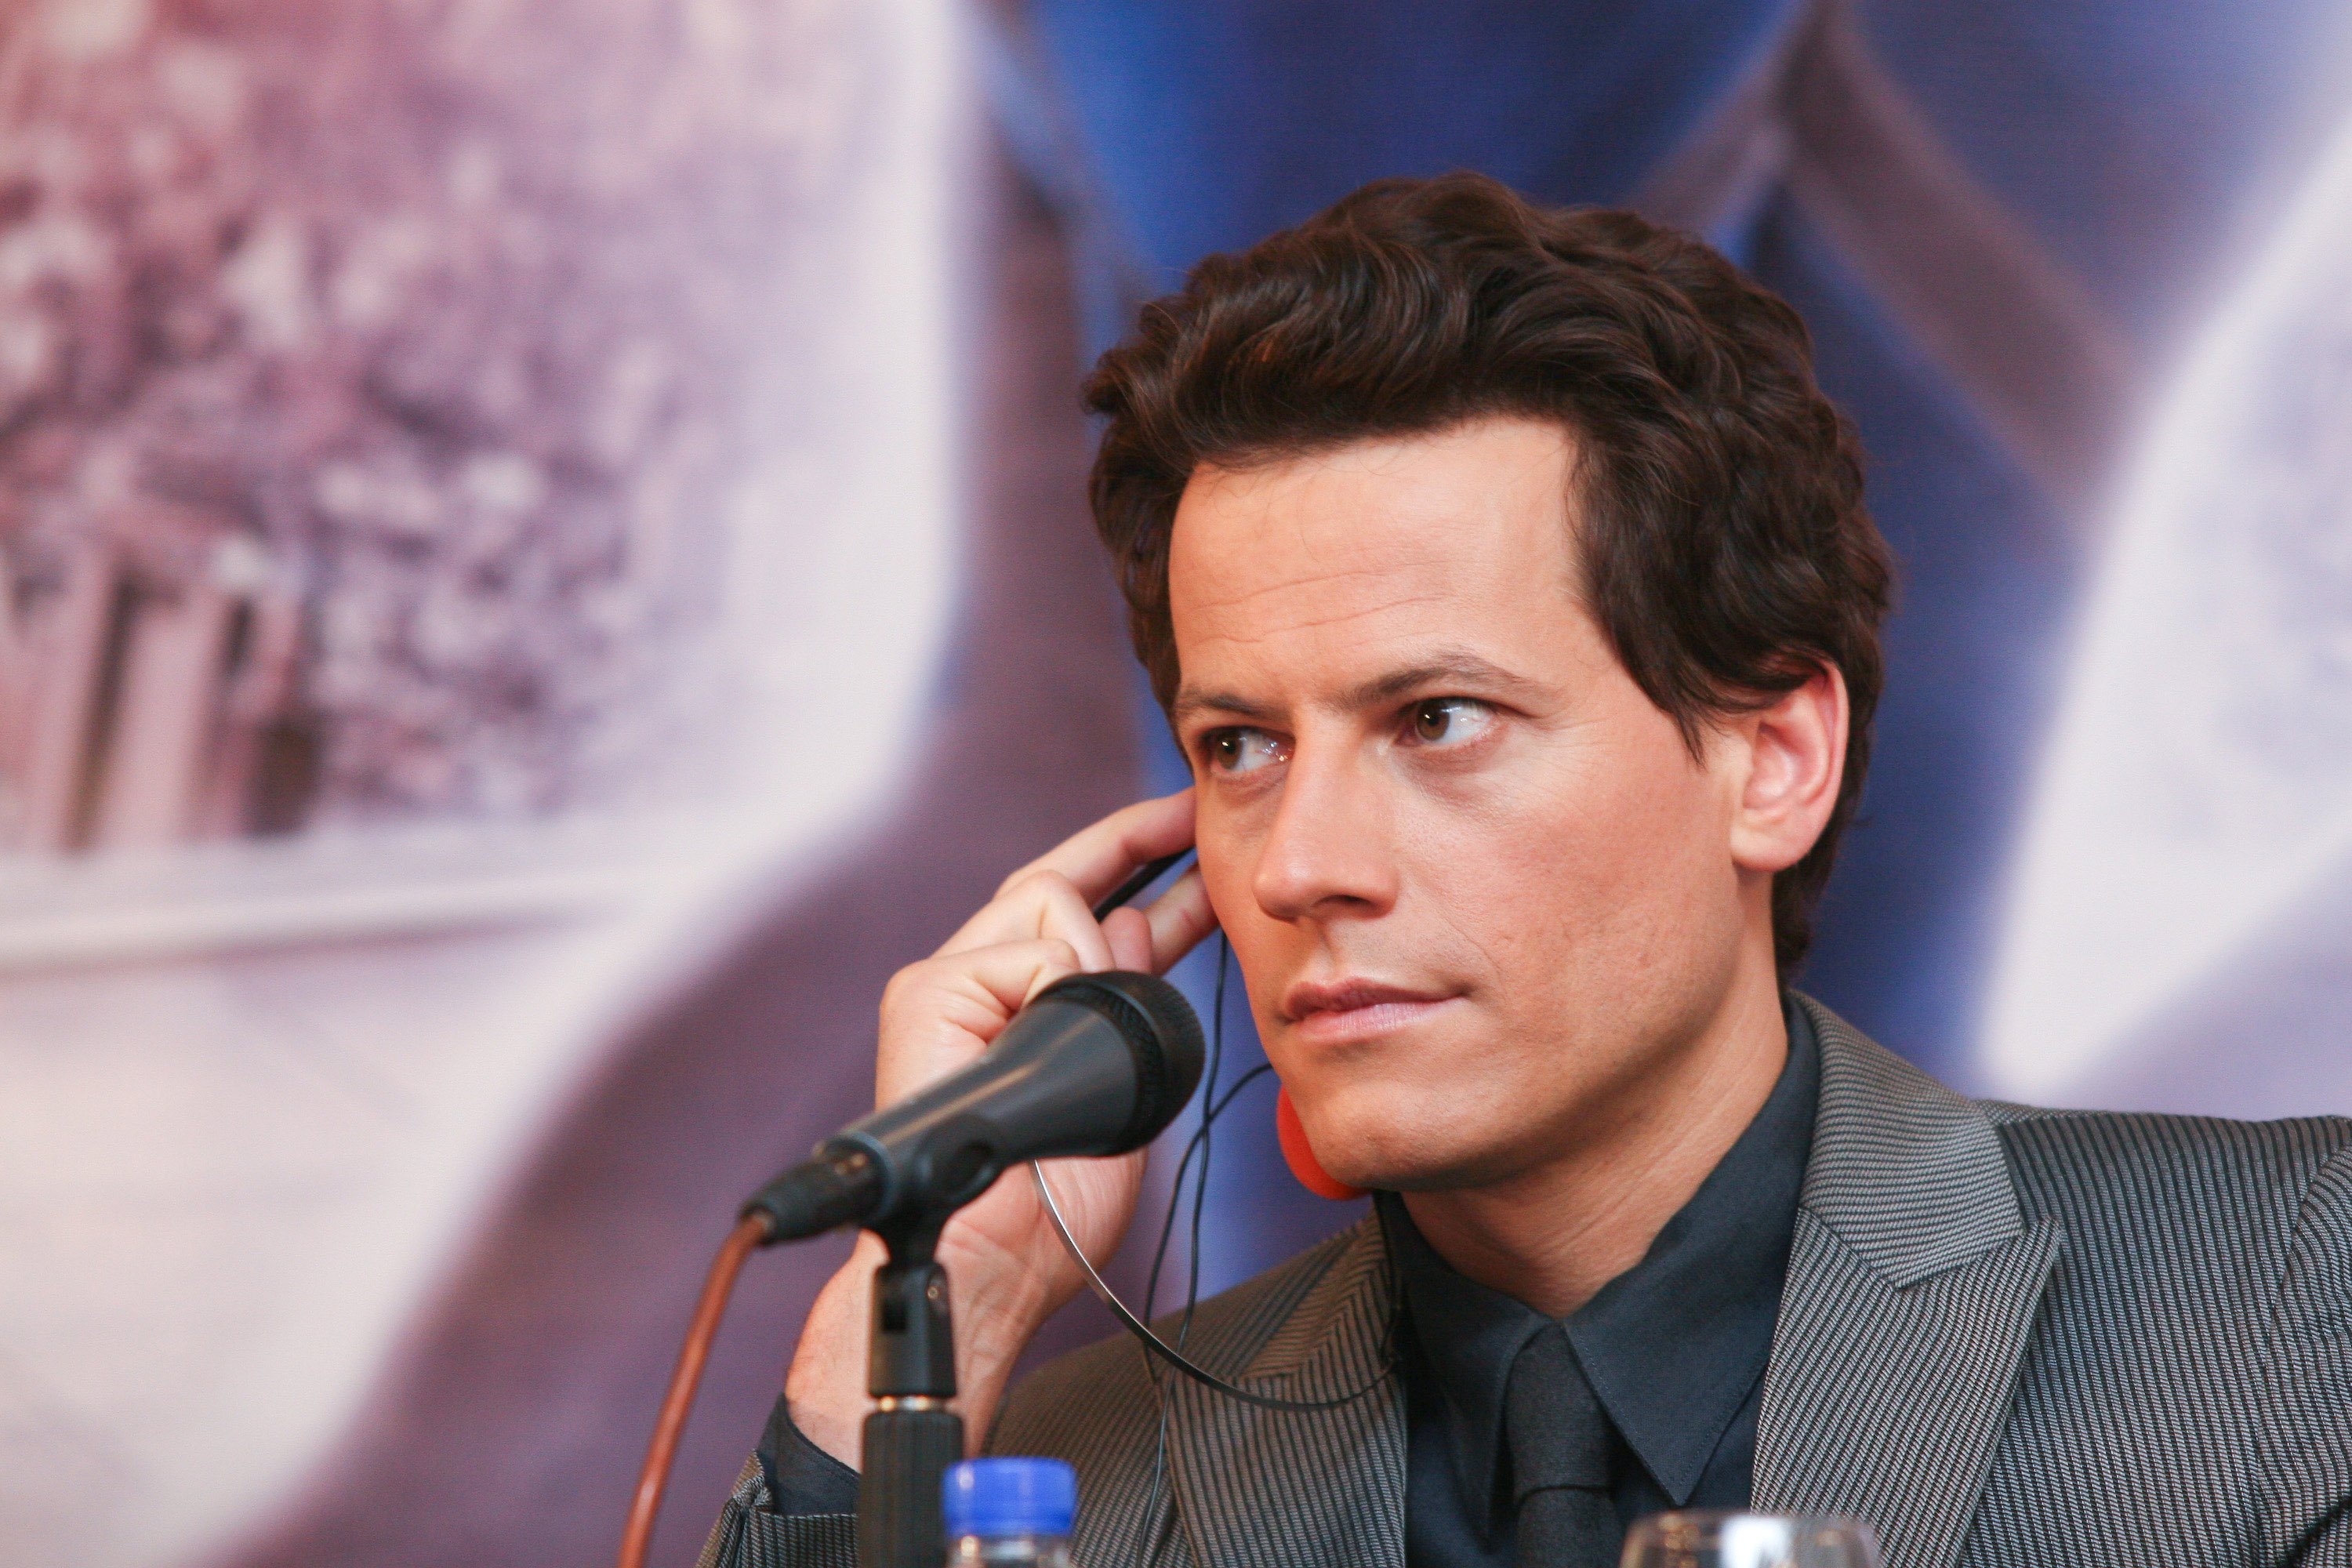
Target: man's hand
{"x":1005,"y":1267}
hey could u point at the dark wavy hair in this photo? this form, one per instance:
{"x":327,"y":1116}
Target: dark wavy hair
{"x":1724,"y":545}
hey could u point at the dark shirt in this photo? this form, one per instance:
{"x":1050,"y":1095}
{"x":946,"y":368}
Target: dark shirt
{"x":803,"y":1478}
{"x":1675,"y":1347}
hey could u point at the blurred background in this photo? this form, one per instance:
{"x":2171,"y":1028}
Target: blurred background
{"x":542,"y":553}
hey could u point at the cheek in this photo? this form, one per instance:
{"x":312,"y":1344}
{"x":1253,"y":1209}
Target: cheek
{"x":1590,"y":865}
{"x":1660,"y":896}
{"x":1226,"y":855}
{"x":1228,"y":862}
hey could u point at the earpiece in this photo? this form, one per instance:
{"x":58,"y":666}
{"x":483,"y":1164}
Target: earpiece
{"x":1299,"y":1155}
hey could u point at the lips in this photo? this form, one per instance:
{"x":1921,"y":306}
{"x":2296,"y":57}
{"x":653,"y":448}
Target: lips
{"x":1354,"y":1008}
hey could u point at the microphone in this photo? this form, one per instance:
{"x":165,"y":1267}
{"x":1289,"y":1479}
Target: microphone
{"x":1096,"y":1063}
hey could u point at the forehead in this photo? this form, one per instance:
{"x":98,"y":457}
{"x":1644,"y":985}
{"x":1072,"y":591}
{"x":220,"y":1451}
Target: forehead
{"x":1336,"y":561}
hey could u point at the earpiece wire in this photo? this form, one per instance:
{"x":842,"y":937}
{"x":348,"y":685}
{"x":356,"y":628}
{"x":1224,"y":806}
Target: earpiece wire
{"x":1168,"y":1354}
{"x":1204,"y":1141}
{"x":1151,"y":1341}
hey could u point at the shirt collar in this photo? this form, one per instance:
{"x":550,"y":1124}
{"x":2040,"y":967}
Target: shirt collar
{"x":1673,"y":1345}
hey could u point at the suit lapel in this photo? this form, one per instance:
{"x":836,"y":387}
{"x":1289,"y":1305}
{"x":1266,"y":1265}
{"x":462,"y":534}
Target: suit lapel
{"x":1319,"y":1489}
{"x":1912,"y":1290}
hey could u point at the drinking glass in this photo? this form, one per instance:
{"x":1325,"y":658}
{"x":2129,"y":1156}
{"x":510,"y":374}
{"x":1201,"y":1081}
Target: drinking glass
{"x":1700,"y":1539}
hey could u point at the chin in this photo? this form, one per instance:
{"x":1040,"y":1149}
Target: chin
{"x":1450,"y":1172}
{"x":1388,"y":1142}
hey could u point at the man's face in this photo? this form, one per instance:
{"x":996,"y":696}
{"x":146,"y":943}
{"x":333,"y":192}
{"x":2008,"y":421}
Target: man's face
{"x":1481,"y":891}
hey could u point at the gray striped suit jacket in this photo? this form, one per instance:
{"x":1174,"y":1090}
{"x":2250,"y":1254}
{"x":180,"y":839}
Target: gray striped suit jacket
{"x":2008,"y":1337}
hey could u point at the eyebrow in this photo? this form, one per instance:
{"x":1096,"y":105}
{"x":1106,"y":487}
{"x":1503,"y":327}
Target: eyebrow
{"x":1452,"y":667}
{"x":1189,"y":700}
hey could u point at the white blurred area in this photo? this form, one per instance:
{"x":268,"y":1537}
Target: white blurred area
{"x":251,"y":1087}
{"x":2180,"y":935}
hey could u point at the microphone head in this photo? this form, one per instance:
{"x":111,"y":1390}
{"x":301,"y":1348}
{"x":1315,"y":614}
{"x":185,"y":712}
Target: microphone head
{"x":1162,"y":1031}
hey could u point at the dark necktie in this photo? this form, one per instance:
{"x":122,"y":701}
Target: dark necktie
{"x":1562,"y":1449}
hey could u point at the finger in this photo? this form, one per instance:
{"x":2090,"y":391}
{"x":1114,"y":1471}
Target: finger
{"x":1178,"y":918}
{"x":1128,"y":931}
{"x":1038,"y":903}
{"x":995,"y":981}
{"x":1029,"y":904}
{"x":939,"y":1013}
{"x":1096,"y":859}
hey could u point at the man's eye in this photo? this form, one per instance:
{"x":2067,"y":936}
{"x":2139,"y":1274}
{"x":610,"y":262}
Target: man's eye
{"x":1448,"y":721}
{"x":1243,"y":751}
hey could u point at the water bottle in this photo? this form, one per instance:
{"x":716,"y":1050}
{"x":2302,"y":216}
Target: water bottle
{"x":1010,"y":1513}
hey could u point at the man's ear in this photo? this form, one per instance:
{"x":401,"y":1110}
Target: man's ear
{"x":1795,"y":756}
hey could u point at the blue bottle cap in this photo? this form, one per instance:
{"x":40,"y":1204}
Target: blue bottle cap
{"x":1010,"y":1497}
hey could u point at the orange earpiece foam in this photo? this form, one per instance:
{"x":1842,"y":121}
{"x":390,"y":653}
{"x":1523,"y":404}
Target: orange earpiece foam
{"x":1299,"y":1155}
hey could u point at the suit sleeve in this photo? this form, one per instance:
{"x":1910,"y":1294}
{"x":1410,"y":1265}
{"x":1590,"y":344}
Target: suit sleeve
{"x":794,"y":1506}
{"x":2309,"y":1512}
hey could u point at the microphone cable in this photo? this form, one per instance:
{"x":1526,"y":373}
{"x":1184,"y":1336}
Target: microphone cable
{"x":669,"y":1425}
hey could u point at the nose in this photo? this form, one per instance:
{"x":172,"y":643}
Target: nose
{"x":1328,"y":854}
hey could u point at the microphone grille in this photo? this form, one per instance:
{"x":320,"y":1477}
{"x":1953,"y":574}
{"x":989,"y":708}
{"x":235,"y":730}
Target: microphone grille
{"x":1161,"y":1032}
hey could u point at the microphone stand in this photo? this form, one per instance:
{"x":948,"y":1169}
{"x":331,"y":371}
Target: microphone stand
{"x":912,"y":1436}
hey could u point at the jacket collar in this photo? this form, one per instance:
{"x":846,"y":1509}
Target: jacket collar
{"x":1905,"y":1171}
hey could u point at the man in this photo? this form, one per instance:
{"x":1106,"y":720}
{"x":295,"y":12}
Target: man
{"x":1507,"y":585}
